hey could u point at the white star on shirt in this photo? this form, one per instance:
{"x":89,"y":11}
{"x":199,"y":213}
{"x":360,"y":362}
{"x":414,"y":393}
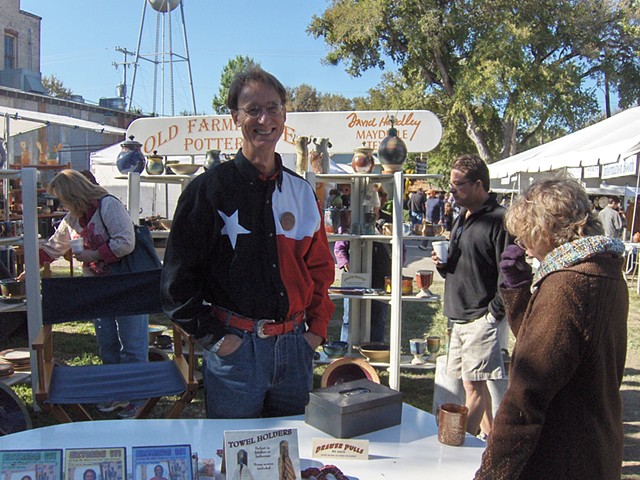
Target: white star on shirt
{"x":232,"y":227}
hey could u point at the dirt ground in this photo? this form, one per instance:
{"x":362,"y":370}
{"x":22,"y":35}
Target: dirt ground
{"x":631,"y":403}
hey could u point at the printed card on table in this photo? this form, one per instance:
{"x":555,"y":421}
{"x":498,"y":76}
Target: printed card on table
{"x":31,"y":464}
{"x":262,"y":454}
{"x":95,"y":463}
{"x":162,"y":462}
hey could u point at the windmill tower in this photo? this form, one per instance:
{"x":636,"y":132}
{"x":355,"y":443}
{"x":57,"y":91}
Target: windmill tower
{"x":163,"y":59}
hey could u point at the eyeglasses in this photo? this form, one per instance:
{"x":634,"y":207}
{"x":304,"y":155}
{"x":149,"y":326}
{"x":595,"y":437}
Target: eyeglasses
{"x":519,"y":243}
{"x":459,"y":184}
{"x":272,"y":110}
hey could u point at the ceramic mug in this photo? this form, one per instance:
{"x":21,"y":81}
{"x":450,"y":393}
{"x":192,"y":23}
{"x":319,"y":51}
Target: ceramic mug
{"x":452,"y":423}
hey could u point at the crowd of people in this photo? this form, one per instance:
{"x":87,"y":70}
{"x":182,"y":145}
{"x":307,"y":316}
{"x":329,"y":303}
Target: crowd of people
{"x":248,"y":266}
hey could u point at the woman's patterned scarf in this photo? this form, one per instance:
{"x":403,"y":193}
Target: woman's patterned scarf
{"x":577,"y":251}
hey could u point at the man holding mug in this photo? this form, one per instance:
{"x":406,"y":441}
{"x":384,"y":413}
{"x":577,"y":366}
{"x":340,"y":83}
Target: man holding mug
{"x":472,"y":302}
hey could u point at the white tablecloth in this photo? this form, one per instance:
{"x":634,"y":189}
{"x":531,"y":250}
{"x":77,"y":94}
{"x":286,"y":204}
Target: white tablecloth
{"x":410,"y":450}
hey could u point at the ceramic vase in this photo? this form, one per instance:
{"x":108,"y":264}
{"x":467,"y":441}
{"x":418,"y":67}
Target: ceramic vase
{"x":212,"y":159}
{"x":392,"y":151}
{"x":362,"y":161}
{"x":131,"y":159}
{"x":155,"y":165}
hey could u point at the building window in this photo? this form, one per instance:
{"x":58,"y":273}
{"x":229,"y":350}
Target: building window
{"x":10,"y":51}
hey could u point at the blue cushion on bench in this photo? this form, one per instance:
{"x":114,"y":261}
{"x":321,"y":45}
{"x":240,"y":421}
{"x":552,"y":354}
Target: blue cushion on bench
{"x":108,"y":383}
{"x":68,"y":299}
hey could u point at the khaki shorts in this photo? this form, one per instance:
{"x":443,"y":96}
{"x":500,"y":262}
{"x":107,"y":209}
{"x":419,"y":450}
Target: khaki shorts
{"x":474,"y":351}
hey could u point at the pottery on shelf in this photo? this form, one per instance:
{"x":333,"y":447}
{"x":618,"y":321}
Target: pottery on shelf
{"x":212,"y":159}
{"x":362,"y":161}
{"x":131,"y":158}
{"x":155,"y":165}
{"x":392,"y":151}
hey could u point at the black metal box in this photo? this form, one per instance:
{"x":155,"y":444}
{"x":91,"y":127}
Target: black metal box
{"x":354,"y":408}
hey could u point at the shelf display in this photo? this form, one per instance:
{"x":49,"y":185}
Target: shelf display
{"x":361,"y":247}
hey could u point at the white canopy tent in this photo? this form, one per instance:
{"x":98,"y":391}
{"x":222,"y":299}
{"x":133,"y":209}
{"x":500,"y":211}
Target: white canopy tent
{"x":17,"y":121}
{"x":603,"y":143}
{"x":22,"y":121}
{"x":604,"y":156}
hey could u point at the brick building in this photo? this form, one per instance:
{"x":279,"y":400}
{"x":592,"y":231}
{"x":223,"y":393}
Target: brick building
{"x":21,"y":88}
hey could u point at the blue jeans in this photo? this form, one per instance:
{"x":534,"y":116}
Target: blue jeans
{"x":264,"y":377}
{"x":378,"y":321}
{"x":416,"y":218}
{"x":123,"y":339}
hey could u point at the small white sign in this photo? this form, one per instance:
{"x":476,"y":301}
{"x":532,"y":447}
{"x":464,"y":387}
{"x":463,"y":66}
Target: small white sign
{"x":355,"y":280}
{"x":340,"y":448}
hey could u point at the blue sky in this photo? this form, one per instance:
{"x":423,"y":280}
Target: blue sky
{"x":79,"y":39}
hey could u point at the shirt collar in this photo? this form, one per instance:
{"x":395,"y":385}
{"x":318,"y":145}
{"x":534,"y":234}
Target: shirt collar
{"x":251,"y":173}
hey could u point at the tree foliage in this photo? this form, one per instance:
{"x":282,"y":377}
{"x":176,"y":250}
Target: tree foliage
{"x":503,"y":74}
{"x":305,"y":98}
{"x":233,"y":67}
{"x":55,"y":88}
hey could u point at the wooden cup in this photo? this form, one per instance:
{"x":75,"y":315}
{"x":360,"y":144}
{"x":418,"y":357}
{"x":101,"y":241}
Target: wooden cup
{"x":452,"y":423}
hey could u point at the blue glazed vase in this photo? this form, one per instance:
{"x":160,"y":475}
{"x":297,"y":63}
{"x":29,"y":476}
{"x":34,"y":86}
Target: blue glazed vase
{"x":131,"y":159}
{"x":392,"y":151}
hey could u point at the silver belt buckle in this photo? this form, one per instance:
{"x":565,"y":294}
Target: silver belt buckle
{"x":260,"y":327}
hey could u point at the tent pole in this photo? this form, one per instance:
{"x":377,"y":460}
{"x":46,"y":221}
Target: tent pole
{"x":635,"y":200}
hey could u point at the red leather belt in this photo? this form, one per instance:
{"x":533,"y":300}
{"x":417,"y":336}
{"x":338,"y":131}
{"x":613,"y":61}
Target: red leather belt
{"x":264,"y":328}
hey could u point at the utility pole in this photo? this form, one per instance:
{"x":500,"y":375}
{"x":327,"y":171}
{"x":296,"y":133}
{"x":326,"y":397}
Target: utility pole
{"x":122,"y":88}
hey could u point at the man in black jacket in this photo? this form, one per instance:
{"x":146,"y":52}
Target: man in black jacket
{"x":248,"y":266}
{"x":472,"y":302}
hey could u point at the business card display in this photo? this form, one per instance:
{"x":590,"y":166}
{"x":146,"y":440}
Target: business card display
{"x":95,"y":463}
{"x":262,"y":454}
{"x":162,"y":462}
{"x":338,"y":448}
{"x":31,"y":464}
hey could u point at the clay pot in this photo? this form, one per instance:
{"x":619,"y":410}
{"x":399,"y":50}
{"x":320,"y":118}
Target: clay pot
{"x":375,"y":351}
{"x":362,"y":161}
{"x":12,"y":288}
{"x":131,"y":159}
{"x":155,"y":165}
{"x":407,"y":285}
{"x":335,"y":349}
{"x":212,"y":159}
{"x":392,"y":152}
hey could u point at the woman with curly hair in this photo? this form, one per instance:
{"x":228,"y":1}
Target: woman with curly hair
{"x":561,"y":416}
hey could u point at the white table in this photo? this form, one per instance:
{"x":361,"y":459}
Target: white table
{"x":410,"y":450}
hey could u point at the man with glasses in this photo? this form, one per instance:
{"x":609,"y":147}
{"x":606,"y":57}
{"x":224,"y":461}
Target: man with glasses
{"x":248,"y":266}
{"x":472,"y":302}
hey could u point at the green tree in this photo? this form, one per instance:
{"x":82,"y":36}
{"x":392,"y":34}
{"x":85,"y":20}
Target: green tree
{"x":333,"y":102}
{"x":55,"y":88}
{"x":506,"y":74}
{"x":234,"y":66}
{"x":303,"y":98}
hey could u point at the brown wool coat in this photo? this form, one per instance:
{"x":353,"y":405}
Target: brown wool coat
{"x":561,"y":417}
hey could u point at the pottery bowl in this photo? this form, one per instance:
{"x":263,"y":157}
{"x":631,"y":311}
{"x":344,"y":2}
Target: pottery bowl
{"x":154,"y":331}
{"x":12,"y":288}
{"x":375,"y":352}
{"x":163,"y":341}
{"x":335,"y":349}
{"x":166,"y":223}
{"x":183,"y":168}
